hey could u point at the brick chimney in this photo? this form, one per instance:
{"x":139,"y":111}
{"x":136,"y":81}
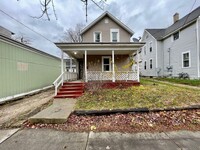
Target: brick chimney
{"x":176,"y":17}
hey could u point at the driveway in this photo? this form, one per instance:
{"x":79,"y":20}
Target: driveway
{"x":46,"y":139}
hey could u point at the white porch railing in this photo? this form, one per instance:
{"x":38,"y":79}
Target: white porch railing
{"x":119,"y":75}
{"x":65,"y":76}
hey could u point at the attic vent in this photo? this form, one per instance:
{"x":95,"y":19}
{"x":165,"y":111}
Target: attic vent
{"x":106,"y":20}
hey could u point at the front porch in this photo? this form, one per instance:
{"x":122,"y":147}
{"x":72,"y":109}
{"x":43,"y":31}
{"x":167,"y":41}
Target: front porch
{"x":111,"y":62}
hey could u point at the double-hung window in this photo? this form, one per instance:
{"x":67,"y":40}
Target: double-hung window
{"x":186,"y":59}
{"x":114,"y":35}
{"x":106,"y":63}
{"x":97,"y":36}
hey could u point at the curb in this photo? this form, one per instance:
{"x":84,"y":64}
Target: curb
{"x":131,"y":110}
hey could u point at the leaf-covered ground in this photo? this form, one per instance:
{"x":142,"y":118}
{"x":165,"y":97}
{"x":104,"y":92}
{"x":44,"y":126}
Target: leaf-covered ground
{"x":148,"y":94}
{"x":136,"y":122}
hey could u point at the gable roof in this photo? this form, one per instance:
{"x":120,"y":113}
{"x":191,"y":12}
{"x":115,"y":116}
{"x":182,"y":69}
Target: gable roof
{"x":156,"y":33}
{"x":113,"y":18}
{"x":161,"y":34}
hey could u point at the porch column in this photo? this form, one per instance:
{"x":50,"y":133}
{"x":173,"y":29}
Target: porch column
{"x":70,"y":64}
{"x":113,"y":66}
{"x":86,"y":79}
{"x":62,"y":65}
{"x":138,"y":69}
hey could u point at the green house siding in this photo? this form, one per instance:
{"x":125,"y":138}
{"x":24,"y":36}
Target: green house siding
{"x":23,"y":70}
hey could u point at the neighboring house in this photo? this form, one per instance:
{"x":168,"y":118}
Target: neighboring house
{"x":105,"y":52}
{"x":24,"y":69}
{"x":5,"y":32}
{"x":173,"y":50}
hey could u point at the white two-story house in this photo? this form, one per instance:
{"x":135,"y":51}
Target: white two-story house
{"x":173,"y":50}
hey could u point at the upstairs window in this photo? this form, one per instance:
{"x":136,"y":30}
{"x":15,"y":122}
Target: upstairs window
{"x":176,"y":36}
{"x":150,"y":63}
{"x":186,"y":59}
{"x":150,"y":47}
{"x":114,"y":35}
{"x":97,"y":36}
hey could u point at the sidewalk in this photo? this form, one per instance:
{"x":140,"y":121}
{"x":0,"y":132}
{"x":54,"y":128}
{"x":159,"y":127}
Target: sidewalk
{"x":46,"y":139}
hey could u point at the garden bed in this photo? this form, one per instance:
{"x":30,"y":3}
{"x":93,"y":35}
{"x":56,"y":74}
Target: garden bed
{"x":131,"y":122}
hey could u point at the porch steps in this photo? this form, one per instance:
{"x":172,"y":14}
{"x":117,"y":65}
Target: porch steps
{"x":70,"y":90}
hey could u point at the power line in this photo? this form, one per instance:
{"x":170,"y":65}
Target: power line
{"x":25,"y":26}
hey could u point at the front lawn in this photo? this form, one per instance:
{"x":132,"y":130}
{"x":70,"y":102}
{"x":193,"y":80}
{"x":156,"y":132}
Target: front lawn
{"x":194,"y":82}
{"x":148,"y":94}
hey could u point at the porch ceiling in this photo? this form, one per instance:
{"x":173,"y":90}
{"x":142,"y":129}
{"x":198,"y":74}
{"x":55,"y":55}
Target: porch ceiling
{"x":77,"y":50}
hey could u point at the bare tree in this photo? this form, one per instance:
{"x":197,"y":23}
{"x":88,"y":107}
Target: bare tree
{"x":47,"y":4}
{"x":73,"y":35}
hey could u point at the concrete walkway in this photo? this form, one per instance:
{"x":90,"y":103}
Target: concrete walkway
{"x":176,"y":84}
{"x":58,"y":112}
{"x":46,"y":139}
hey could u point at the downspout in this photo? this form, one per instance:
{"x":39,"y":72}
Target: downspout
{"x":198,"y":50}
{"x":157,"y":58}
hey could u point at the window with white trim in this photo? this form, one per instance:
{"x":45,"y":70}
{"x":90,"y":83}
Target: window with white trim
{"x":150,"y":63}
{"x":145,"y":65}
{"x":97,"y":36}
{"x":114,"y":35}
{"x":186,"y":59}
{"x":106,"y":63}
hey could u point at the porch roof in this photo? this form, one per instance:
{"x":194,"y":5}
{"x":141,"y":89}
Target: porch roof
{"x":76,"y":50}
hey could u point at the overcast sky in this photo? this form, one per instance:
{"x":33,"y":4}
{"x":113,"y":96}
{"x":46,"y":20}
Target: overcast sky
{"x":137,"y":14}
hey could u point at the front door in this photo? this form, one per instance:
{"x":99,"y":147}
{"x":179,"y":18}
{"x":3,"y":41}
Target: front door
{"x":80,"y":69}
